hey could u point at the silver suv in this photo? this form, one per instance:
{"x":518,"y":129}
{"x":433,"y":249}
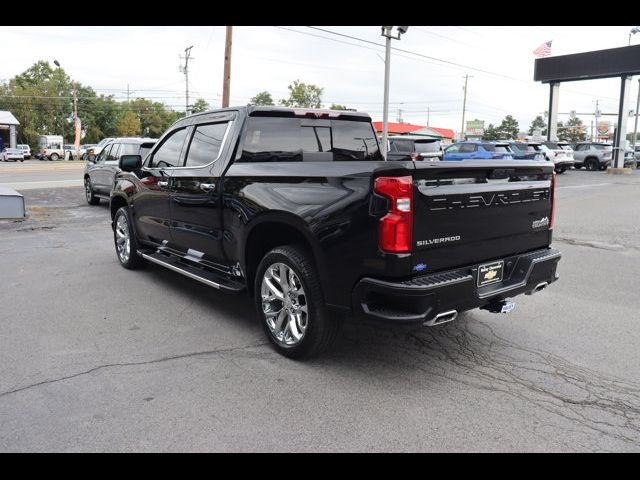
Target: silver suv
{"x":592,"y":156}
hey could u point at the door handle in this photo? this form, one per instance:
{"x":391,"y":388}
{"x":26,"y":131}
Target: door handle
{"x":162,"y":184}
{"x":207,"y":187}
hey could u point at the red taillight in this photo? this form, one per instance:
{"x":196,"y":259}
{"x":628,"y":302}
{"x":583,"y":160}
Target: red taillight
{"x":396,"y":227}
{"x":553,"y":199}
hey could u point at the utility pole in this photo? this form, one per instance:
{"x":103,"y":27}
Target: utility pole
{"x":597,"y":115}
{"x":400,"y":115}
{"x":464,"y":105}
{"x":76,"y":126}
{"x":635,"y":125}
{"x":185,"y":70}
{"x":226,"y":81}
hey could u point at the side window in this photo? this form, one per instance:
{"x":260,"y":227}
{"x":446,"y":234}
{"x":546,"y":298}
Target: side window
{"x":168,"y":155}
{"x":129,"y":149}
{"x":404,"y":146}
{"x":103,"y":154}
{"x":206,"y":144}
{"x":113,"y":153}
{"x":468,"y":148}
{"x":453,"y":149}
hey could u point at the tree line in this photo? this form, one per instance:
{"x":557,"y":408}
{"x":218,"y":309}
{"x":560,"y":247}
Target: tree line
{"x":41,"y":99}
{"x":301,"y":95}
{"x":508,"y":129}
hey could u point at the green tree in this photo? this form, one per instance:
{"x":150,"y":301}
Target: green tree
{"x":262,"y":98}
{"x":508,"y":129}
{"x":200,"y":106}
{"x":491,"y":133}
{"x":41,"y":98}
{"x":128,"y":125}
{"x":336,"y":106}
{"x":303,"y":95}
{"x":540,"y":123}
{"x":574,"y":131}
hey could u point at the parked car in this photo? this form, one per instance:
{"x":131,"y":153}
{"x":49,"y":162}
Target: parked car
{"x":478,"y":150}
{"x":297,"y":208}
{"x":560,"y":153}
{"x":100,"y":171}
{"x":407,"y":148}
{"x":96,"y":149}
{"x":12,"y":155}
{"x":70,"y":152}
{"x":26,"y":151}
{"x":592,"y":156}
{"x":526,"y":150}
{"x":51,"y":147}
{"x":84,"y":149}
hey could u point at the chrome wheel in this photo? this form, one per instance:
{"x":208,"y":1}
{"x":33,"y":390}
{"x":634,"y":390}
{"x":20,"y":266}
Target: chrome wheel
{"x":284,"y":304}
{"x":123,"y":241}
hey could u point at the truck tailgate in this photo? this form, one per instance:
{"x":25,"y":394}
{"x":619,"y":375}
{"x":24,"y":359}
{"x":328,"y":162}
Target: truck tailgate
{"x":471,"y":211}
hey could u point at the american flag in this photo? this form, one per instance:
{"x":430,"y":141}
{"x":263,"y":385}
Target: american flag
{"x":543,"y":50}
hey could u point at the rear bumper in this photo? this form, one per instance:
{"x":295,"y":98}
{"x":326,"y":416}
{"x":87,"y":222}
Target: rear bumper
{"x":564,"y":162}
{"x":421,"y":299}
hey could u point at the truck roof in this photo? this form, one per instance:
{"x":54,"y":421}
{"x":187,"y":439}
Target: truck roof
{"x":295,"y":111}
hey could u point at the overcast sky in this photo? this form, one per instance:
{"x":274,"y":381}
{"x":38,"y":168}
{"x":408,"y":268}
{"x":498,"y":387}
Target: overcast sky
{"x":350,"y":71}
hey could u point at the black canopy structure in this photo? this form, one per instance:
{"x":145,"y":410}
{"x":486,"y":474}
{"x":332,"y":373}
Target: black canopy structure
{"x":623,"y":62}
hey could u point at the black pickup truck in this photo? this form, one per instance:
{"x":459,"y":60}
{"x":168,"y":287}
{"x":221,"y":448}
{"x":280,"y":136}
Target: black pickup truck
{"x":299,"y":209}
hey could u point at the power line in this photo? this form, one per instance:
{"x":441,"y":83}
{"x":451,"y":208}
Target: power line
{"x":422,"y":55}
{"x":446,"y":62}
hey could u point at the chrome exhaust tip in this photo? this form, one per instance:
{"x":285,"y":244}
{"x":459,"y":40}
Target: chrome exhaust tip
{"x":541,"y":286}
{"x":443,"y":317}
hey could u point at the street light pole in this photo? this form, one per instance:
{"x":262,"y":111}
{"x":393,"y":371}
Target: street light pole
{"x":635,"y":125}
{"x":386,"y":32}
{"x":464,"y":107}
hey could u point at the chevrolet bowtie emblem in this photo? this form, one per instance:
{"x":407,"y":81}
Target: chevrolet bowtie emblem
{"x":490,"y":274}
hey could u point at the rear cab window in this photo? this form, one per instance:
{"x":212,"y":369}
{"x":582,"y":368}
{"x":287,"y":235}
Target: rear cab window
{"x":305,"y":139}
{"x":427,"y":147}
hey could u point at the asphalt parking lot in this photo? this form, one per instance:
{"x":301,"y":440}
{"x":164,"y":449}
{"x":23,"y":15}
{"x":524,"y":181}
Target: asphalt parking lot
{"x":97,"y":358}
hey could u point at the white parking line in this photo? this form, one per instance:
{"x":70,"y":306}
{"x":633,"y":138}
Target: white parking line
{"x":43,"y":184}
{"x":586,"y":186}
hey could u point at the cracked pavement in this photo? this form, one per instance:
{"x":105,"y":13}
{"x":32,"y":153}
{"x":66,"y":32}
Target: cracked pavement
{"x":97,"y":358}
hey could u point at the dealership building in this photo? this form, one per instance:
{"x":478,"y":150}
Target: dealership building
{"x":444,"y":134}
{"x":8,"y":127}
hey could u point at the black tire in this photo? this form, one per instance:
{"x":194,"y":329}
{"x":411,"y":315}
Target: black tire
{"x":321,"y":328}
{"x":54,"y":157}
{"x":88,"y":192}
{"x":560,"y":170}
{"x":133,"y":260}
{"x":591,"y":164}
{"x":577,"y":167}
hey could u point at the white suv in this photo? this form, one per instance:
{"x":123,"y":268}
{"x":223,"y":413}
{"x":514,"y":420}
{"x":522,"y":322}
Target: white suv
{"x":26,"y":151}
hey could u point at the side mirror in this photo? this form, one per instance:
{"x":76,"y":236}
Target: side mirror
{"x":91,"y":158}
{"x":129,"y":163}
